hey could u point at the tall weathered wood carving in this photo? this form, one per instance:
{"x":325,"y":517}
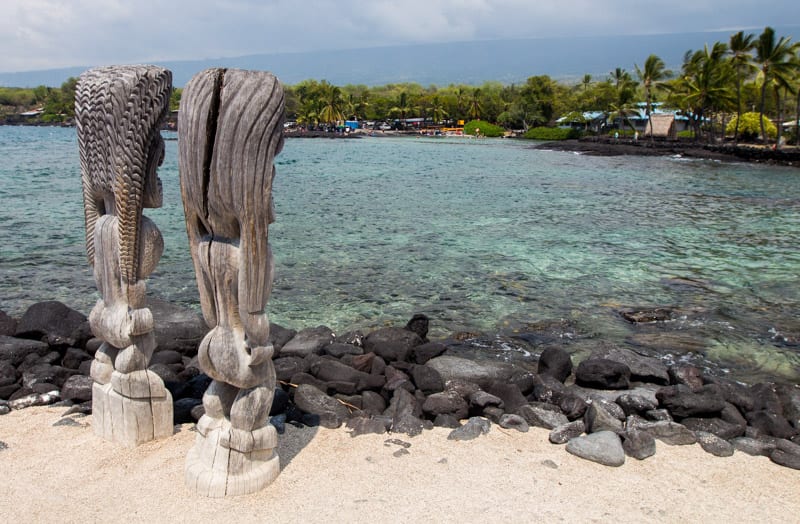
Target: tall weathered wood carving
{"x":231,"y":128}
{"x":119,"y":111}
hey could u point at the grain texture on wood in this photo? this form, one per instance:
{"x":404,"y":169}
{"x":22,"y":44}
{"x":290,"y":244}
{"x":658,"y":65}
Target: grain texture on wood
{"x":119,"y":111}
{"x":231,"y":129}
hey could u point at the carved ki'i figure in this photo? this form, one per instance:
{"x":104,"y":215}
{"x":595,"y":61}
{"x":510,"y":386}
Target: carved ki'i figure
{"x":119,"y":112}
{"x":231,"y":129}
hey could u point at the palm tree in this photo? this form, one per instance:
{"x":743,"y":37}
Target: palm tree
{"x":741,"y":47}
{"x":651,"y":77}
{"x":474,"y":105}
{"x":704,"y":85}
{"x":775,"y":62}
{"x":587,"y":81}
{"x":438,"y":112}
{"x":622,"y":108}
{"x":403,"y":107}
{"x":332,"y":103}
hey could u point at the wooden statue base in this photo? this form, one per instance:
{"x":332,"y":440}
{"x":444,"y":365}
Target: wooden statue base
{"x":131,"y":421}
{"x":226,"y":462}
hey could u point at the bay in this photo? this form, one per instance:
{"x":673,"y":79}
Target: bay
{"x":525,"y":246}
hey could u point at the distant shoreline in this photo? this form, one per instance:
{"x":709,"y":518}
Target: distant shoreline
{"x":602,"y":146}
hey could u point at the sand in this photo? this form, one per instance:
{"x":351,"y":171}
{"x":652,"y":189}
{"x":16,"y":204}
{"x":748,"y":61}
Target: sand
{"x":65,"y":473}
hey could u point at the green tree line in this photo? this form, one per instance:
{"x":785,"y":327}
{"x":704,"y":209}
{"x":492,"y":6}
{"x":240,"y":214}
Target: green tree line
{"x":747,"y":74}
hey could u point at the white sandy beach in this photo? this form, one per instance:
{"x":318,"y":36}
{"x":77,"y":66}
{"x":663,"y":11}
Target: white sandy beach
{"x":66,"y":474}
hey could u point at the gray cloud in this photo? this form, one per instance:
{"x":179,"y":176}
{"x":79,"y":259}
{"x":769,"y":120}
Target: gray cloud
{"x":39,"y":34}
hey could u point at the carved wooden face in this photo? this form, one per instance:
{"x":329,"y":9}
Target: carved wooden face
{"x":153,"y":193}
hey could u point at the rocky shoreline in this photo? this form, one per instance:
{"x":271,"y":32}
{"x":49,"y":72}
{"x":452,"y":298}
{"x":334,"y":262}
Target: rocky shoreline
{"x":612,"y":405}
{"x":604,"y":146}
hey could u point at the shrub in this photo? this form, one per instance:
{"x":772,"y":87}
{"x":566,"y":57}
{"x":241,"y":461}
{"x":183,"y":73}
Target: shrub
{"x":486,"y":129}
{"x":551,"y":133}
{"x":749,"y":127}
{"x":625,"y":132}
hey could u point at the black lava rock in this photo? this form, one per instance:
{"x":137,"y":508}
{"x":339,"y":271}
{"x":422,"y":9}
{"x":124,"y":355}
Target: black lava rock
{"x":54,"y":323}
{"x":427,"y":379}
{"x":602,"y":373}
{"x":392,"y":344}
{"x":681,"y":401}
{"x":419,"y":325}
{"x":556,"y":363}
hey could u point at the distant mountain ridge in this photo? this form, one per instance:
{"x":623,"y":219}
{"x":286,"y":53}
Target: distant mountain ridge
{"x":506,"y":61}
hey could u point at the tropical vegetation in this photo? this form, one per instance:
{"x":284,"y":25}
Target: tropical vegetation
{"x":712,"y":88}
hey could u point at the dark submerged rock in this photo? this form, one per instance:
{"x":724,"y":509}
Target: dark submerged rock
{"x":646,"y":316}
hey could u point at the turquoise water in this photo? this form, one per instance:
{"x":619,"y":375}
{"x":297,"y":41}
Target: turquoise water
{"x":480,"y":235}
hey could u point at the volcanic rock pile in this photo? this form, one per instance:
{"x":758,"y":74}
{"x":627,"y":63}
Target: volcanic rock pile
{"x":614,"y":404}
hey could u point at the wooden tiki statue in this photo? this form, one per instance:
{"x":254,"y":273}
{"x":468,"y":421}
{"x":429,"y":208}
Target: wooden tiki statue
{"x":231,"y":129}
{"x":119,"y":111}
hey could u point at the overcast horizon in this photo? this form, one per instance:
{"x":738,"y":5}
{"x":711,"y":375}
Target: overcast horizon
{"x":51,"y":34}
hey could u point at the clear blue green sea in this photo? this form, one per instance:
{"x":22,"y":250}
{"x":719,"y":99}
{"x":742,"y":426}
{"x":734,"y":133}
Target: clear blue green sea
{"x":522,"y":245}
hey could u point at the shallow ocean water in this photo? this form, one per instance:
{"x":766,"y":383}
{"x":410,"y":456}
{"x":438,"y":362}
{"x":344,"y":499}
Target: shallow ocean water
{"x":481,"y":235}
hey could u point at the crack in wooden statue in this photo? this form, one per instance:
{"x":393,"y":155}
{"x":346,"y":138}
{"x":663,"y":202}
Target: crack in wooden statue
{"x":119,"y":111}
{"x":231,"y":129}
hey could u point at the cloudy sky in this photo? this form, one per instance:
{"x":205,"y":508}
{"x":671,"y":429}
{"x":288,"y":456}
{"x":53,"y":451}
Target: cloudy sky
{"x":43,"y":34}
